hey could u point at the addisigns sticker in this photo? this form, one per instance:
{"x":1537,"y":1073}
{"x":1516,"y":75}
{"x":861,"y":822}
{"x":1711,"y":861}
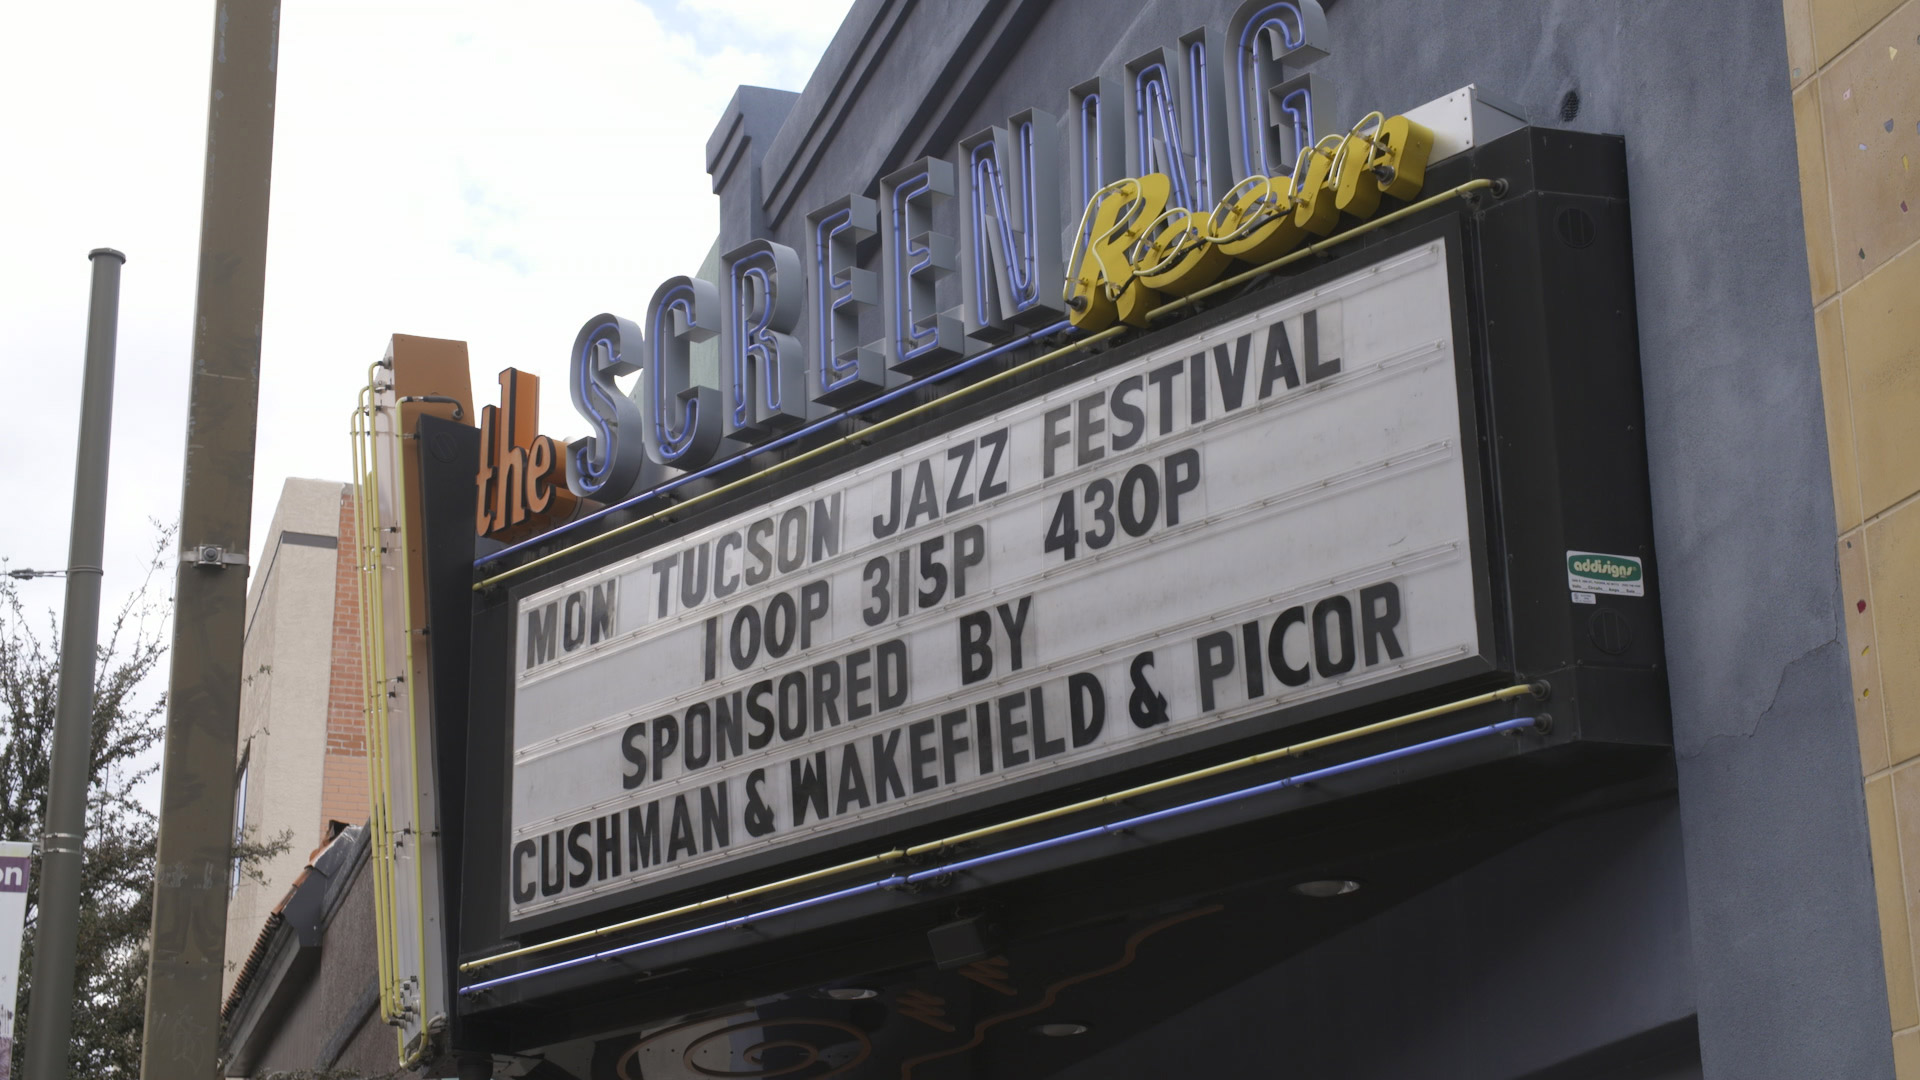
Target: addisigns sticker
{"x":1593,"y":572}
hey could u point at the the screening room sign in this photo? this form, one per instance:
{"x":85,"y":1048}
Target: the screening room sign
{"x":1267,"y":513}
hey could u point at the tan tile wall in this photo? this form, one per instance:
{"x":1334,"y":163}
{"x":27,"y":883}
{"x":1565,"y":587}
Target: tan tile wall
{"x":1855,"y":70}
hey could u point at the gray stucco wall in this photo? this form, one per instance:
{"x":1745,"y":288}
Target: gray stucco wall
{"x":1567,"y":945}
{"x":1781,"y":909}
{"x":1785,"y":937}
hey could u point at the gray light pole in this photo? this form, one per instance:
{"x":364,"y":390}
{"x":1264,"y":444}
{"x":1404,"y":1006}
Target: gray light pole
{"x":181,"y":1037}
{"x":50,"y":1024}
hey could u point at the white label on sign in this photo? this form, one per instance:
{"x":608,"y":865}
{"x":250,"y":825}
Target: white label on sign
{"x":1584,"y":597}
{"x":1268,"y":513}
{"x":16,"y":867}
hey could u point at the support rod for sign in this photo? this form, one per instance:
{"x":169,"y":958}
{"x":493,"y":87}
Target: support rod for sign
{"x":57,"y":927}
{"x":191,"y":870}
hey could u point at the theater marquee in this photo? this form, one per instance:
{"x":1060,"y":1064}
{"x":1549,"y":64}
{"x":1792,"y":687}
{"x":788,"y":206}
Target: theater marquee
{"x":1270,"y":513}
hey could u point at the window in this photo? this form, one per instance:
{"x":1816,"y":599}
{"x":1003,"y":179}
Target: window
{"x":239,"y":825}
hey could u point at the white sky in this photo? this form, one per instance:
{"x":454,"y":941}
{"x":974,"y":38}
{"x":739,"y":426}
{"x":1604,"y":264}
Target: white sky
{"x":485,"y":170}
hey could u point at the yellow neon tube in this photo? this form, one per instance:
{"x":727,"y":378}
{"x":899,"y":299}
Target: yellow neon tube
{"x":1292,"y":750}
{"x":412,"y":728}
{"x":371,"y":679}
{"x":374,"y":676}
{"x":1431,"y":201}
{"x":1459,"y":191}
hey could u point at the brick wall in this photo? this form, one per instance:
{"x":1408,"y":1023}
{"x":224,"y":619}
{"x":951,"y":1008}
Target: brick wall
{"x":343,"y":781}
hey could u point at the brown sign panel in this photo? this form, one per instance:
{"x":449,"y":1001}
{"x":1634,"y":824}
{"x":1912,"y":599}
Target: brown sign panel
{"x":522,"y":483}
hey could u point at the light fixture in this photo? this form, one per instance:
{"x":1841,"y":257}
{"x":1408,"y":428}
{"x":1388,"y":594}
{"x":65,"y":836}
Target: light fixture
{"x":1060,"y":1031}
{"x":1323,"y":888}
{"x":846,"y":993}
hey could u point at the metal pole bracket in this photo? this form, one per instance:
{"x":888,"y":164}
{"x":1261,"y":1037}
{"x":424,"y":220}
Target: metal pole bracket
{"x":213,"y":557}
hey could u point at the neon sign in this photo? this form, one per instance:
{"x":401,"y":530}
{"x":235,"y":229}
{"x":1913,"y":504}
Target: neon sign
{"x":1138,"y":245}
{"x":970,"y":250}
{"x":520,"y":488}
{"x":1010,"y":259}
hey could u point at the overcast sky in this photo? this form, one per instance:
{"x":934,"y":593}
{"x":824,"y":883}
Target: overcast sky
{"x":485,"y":170}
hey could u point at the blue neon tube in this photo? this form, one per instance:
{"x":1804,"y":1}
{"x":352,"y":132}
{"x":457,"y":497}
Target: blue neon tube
{"x":964,"y":865}
{"x":791,"y":436}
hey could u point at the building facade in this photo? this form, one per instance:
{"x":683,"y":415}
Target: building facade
{"x":1624,"y":797}
{"x":305,"y":994}
{"x":1855,"y":75}
{"x":301,"y":775}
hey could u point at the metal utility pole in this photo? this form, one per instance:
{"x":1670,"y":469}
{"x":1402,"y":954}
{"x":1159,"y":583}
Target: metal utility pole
{"x":203,"y":693}
{"x":50,"y":1024}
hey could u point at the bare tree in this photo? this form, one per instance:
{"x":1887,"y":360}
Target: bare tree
{"x":117,"y":875}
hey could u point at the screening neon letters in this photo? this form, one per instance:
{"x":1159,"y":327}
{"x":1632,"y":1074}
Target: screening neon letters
{"x":972,"y":248}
